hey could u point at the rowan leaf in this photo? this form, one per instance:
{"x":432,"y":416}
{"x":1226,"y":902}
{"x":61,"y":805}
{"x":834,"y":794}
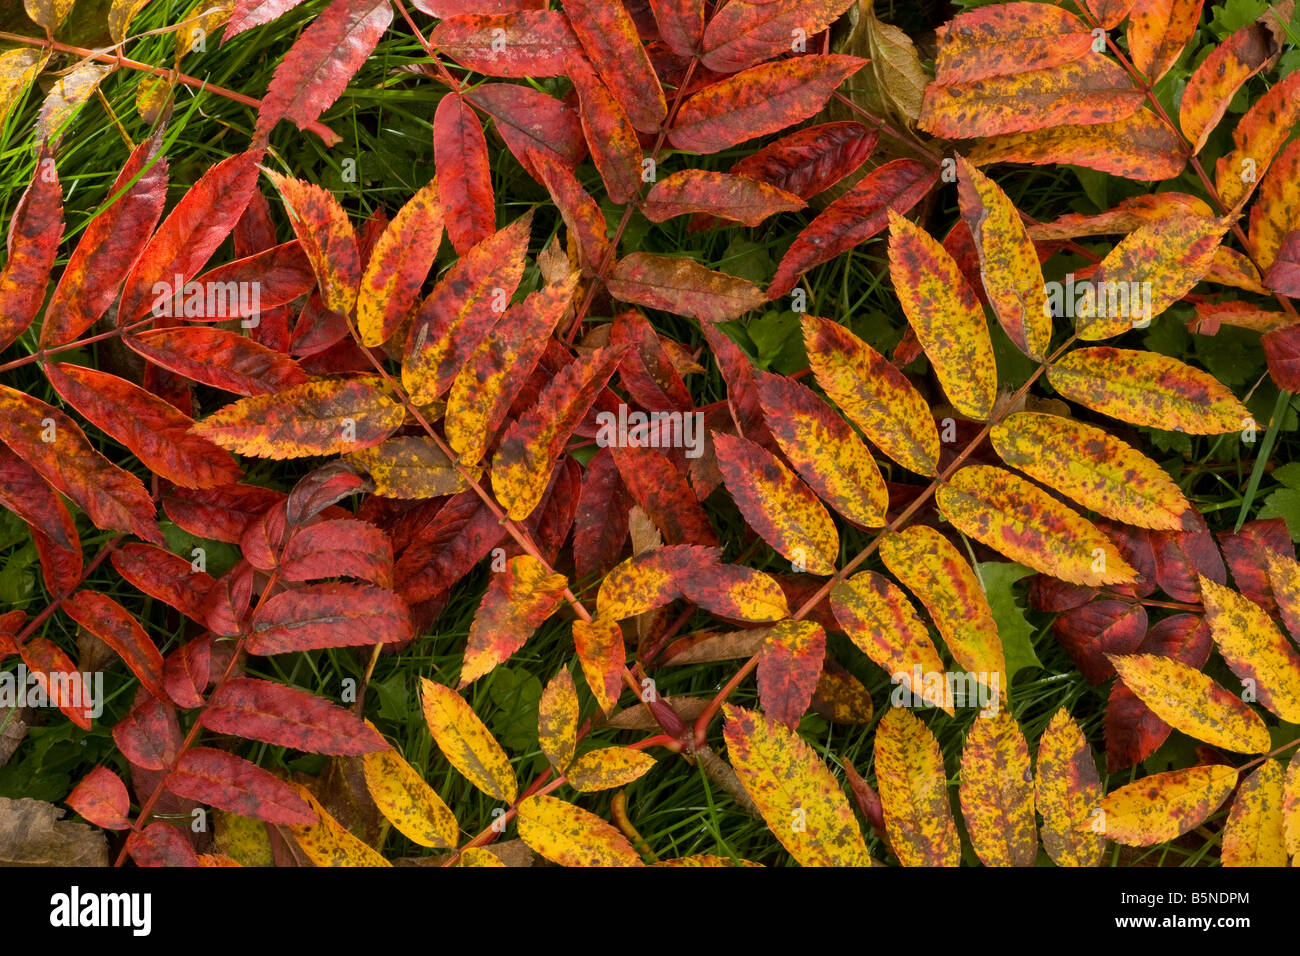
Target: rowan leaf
{"x":220,"y":358}
{"x":1157,"y":32}
{"x":1067,"y":789}
{"x":582,"y":217}
{"x":763,"y":99}
{"x":1026,"y":524}
{"x":789,"y":667}
{"x":570,"y":836}
{"x":102,"y":799}
{"x":557,"y":720}
{"x":327,"y":842}
{"x":997,"y":792}
{"x":1008,"y":38}
{"x":1099,"y":472}
{"x":932,"y":568}
{"x":1291,"y":808}
{"x":114,"y":625}
{"x":50,"y":668}
{"x":945,"y":315}
{"x":1284,"y":585}
{"x":460,"y":155}
{"x":881,"y":622}
{"x":599,"y":645}
{"x":722,"y":195}
{"x":34,"y":233}
{"x":1258,"y":653}
{"x":286,"y":717}
{"x":516,"y":603}
{"x":1146,"y":388}
{"x":398,"y":266}
{"x":810,"y":161}
{"x":681,"y":24}
{"x":466,"y":742}
{"x":409,"y":803}
{"x":1260,"y":133}
{"x":796,"y":794}
{"x":682,"y":286}
{"x":1163,"y":806}
{"x":777,"y":505}
{"x":1254,"y":834}
{"x":609,"y":132}
{"x":316,"y":418}
{"x":913,"y":789}
{"x":520,"y":43}
{"x":1009,"y":267}
{"x":608,"y":767}
{"x":744,"y":34}
{"x":609,"y":37}
{"x":411,"y":467}
{"x":231,"y":783}
{"x":336,"y":614}
{"x":1218,"y":77}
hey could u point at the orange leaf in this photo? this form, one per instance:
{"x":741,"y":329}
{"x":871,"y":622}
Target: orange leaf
{"x":1008,"y":38}
{"x":1157,"y":32}
{"x":325,"y":234}
{"x":35,"y":229}
{"x":398,"y":266}
{"x":743,"y":34}
{"x":609,"y":37}
{"x":515,"y":604}
{"x":789,"y":667}
{"x":557,"y":720}
{"x":599,"y":645}
{"x":1260,"y":133}
{"x":735,"y":198}
{"x":682,"y":286}
{"x":1217,"y":78}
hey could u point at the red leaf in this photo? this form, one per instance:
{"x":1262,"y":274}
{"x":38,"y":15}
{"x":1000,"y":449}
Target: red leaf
{"x":610,"y":135}
{"x":280,"y":275}
{"x":287,"y":717}
{"x":522,"y":44}
{"x":317,"y":68}
{"x":1180,"y":557}
{"x":647,"y":373}
{"x":60,"y":680}
{"x":114,"y":625}
{"x":812,"y":160}
{"x":327,"y":237}
{"x":153,"y":429}
{"x":149,"y":735}
{"x":231,"y":783}
{"x":341,"y":547}
{"x":190,"y":234}
{"x":1246,"y":553}
{"x":462,"y":532}
{"x":221,"y":514}
{"x":34,"y":234}
{"x":186,"y":671}
{"x":720,"y":195}
{"x":761,"y":100}
{"x":28,"y":495}
{"x":328,"y":615}
{"x":253,"y":13}
{"x":464,"y":178}
{"x":582,"y":217}
{"x":1100,"y":628}
{"x":102,"y":799}
{"x":609,"y":36}
{"x":452,"y":8}
{"x":854,"y":217}
{"x":1282,"y":350}
{"x":660,"y":487}
{"x":219,"y":358}
{"x":165,"y":576}
{"x":681,"y":24}
{"x":789,"y":667}
{"x":161,"y":844}
{"x":529,"y":120}
{"x":600,"y":528}
{"x":743,"y":34}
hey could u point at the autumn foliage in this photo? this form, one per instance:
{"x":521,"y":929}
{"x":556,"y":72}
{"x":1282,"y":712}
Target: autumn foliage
{"x":484,"y":402}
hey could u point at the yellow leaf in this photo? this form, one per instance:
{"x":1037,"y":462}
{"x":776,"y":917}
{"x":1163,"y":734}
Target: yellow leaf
{"x":1163,"y":806}
{"x":705,"y":859}
{"x":557,"y":720}
{"x":1291,"y":808}
{"x":945,"y":315}
{"x":1284,"y":580}
{"x":477,"y":856}
{"x":608,"y":767}
{"x":794,"y":791}
{"x":913,"y":791}
{"x":1067,"y":790}
{"x":932,"y":568}
{"x":1190,"y":701}
{"x":243,"y":838}
{"x":1254,"y":835}
{"x":17,"y":70}
{"x":411,"y":466}
{"x":570,"y":836}
{"x":466,"y":742}
{"x":602,"y":655}
{"x":997,"y":792}
{"x":327,"y":842}
{"x":1030,"y":526}
{"x":1254,"y":648}
{"x":408,"y":802}
{"x":518,"y":600}
{"x":48,"y":14}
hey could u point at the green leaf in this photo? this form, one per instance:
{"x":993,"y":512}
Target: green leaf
{"x":1017,"y":634}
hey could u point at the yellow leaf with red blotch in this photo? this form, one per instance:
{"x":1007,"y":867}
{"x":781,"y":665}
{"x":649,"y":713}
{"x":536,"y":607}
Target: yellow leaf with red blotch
{"x":1028,"y":525}
{"x":466,"y":742}
{"x":217,"y":859}
{"x":1276,"y":211}
{"x":1284,"y":581}
{"x":1099,"y":472}
{"x":1157,"y":32}
{"x":913,"y":788}
{"x":1163,"y":806}
{"x":1140,"y":146}
{"x":1190,"y":701}
{"x":326,"y":236}
{"x":841,"y":698}
{"x":945,"y":315}
{"x":1092,"y":90}
{"x":1254,"y":648}
{"x":412,"y":466}
{"x":1145,"y":388}
{"x":1217,"y":78}
{"x":777,"y":505}
{"x":1110,"y":13}
{"x":705,"y":859}
{"x":1260,"y":133}
{"x":478,"y":856}
{"x":1008,"y":38}
{"x":608,"y":767}
{"x":1148,"y":271}
{"x":734,"y":591}
{"x":743,"y":34}
{"x":557,"y":720}
{"x":794,"y":791}
{"x":409,"y":803}
{"x":570,"y":836}
{"x":465,"y":305}
{"x":484,"y":389}
{"x":601,"y":653}
{"x":515,"y":604}
{"x":823,"y":449}
{"x":722,"y":195}
{"x":789,"y":667}
{"x":997,"y":792}
{"x":875,"y":395}
{"x":326,"y":417}
{"x":398,"y":266}
{"x":1255,"y":833}
{"x":1125,"y":216}
{"x":1067,"y":790}
{"x":525,"y":458}
{"x":682,"y":286}
{"x":882,"y":623}
{"x":651,"y":579}
{"x":1291,"y":809}
{"x":1009,"y":267}
{"x":327,"y":842}
{"x":932,"y":568}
